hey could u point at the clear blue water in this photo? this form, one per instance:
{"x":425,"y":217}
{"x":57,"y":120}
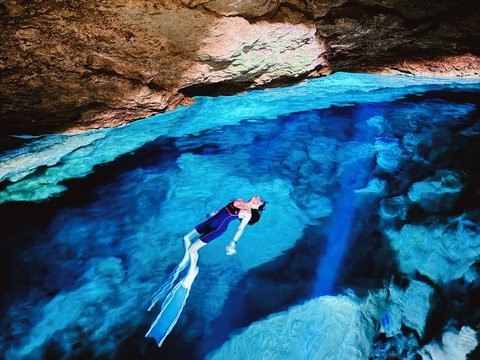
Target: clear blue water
{"x":92,"y":223}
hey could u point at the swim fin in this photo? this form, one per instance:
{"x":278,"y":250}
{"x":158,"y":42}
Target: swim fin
{"x":168,"y":283}
{"x":172,"y":307}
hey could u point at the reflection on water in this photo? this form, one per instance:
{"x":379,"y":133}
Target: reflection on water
{"x":350,"y":182}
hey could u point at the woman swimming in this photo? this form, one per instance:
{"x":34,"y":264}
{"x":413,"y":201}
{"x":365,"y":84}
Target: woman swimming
{"x":247,"y":212}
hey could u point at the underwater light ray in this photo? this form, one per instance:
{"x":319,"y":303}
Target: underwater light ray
{"x":354,"y":176}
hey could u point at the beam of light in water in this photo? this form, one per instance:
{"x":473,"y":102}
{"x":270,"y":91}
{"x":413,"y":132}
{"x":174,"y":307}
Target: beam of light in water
{"x":355,"y":176}
{"x":340,"y":230}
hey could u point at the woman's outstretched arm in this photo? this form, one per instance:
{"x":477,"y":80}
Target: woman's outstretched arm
{"x":230,"y":249}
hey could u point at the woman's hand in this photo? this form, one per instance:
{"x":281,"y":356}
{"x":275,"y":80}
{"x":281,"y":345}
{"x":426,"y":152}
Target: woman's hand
{"x":230,"y":249}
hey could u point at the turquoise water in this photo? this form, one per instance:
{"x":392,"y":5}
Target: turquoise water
{"x":353,"y":168}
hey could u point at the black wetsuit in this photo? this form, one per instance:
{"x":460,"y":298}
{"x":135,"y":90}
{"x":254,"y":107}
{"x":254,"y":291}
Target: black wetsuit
{"x":218,"y":223}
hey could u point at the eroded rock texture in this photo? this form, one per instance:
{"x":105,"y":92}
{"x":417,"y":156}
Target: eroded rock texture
{"x":71,"y":65}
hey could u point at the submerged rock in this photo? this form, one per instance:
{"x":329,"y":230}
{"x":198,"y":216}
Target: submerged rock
{"x":408,"y":307}
{"x":455,"y":345}
{"x":389,"y":154}
{"x":375,"y":187}
{"x":324,"y":328}
{"x":438,"y":193}
{"x":318,"y":206}
{"x":393,"y":208}
{"x":72,"y":315}
{"x":441,"y":251}
{"x":402,"y":346}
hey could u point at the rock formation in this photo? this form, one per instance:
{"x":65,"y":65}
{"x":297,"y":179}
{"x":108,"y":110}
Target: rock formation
{"x":72,"y":65}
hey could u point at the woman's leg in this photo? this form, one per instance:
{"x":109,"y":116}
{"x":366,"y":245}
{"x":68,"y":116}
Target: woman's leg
{"x":188,"y":238}
{"x":175,"y":301}
{"x":168,"y":283}
{"x":193,"y":269}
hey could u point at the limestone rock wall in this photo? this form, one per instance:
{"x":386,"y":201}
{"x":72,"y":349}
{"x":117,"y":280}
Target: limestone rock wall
{"x":71,"y":65}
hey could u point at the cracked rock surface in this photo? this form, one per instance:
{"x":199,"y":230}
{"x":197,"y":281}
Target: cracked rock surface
{"x":69,"y":65}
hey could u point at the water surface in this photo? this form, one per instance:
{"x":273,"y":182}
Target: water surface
{"x":92,"y":223}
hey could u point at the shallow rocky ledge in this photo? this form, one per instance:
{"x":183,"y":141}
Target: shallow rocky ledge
{"x":68,"y":65}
